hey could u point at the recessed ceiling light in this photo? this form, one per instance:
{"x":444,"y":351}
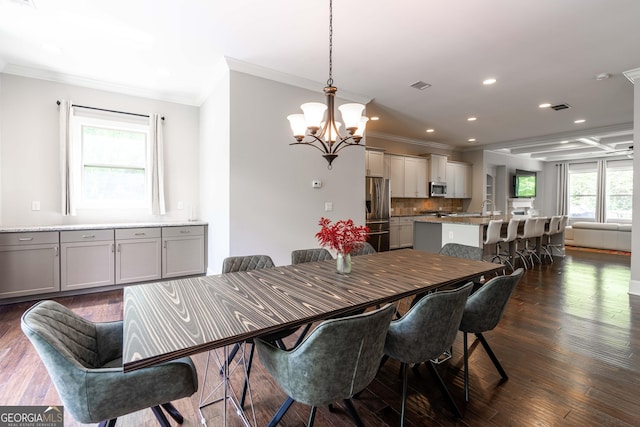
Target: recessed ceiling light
{"x":472,"y":140}
{"x":374,"y":118}
{"x":545,"y":105}
{"x":602,"y":76}
{"x":430,"y":130}
{"x":489,"y":81}
{"x":564,"y":142}
{"x":472,"y":119}
{"x":579,"y":121}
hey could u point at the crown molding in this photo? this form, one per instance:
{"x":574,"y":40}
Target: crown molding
{"x":289,"y":79}
{"x":69,"y":79}
{"x":619,"y":129}
{"x":632,"y":75}
{"x":405,"y":140}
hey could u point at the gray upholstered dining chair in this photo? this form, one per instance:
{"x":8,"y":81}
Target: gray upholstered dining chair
{"x":425,"y":332}
{"x":247,"y":263}
{"x":334,"y":362}
{"x":84,"y":361}
{"x":365,"y":248}
{"x":300,"y":256}
{"x":459,"y":250}
{"x":482,"y":312}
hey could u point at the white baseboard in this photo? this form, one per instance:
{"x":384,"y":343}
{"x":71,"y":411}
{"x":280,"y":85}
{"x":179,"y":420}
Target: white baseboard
{"x":634,"y":287}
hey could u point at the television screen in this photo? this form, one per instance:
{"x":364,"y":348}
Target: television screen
{"x":524,"y":184}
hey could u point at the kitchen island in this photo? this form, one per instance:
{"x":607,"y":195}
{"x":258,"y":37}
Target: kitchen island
{"x":431,"y":233}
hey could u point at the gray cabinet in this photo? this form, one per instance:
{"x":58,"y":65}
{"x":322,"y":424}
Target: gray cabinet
{"x":29,"y":264}
{"x":86,"y":259}
{"x":401,"y":232}
{"x":138,"y":255}
{"x":182,"y":251}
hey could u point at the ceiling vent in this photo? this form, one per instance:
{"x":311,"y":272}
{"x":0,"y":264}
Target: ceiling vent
{"x":559,"y":107}
{"x":420,"y":85}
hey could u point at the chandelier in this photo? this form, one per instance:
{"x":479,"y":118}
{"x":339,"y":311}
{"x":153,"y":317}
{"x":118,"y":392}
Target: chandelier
{"x":319,"y":130}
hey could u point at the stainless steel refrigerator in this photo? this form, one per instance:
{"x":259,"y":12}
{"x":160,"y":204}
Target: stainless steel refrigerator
{"x":378,"y":202}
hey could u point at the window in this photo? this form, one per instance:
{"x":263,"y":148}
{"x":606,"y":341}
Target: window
{"x":616,"y":195}
{"x":112,"y":162}
{"x":619,"y":190}
{"x":583,"y":189}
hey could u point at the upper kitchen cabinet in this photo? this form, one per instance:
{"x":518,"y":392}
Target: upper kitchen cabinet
{"x":415,"y":177}
{"x":408,"y":176}
{"x":374,"y":163}
{"x":437,"y":168}
{"x":458,"y":180}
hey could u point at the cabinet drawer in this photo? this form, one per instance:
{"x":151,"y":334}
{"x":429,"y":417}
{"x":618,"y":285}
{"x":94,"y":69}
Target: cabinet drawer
{"x":86,"y":236}
{"x":35,"y":238}
{"x":192,"y":230}
{"x":137,"y":233}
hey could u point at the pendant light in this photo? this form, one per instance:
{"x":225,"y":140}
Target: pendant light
{"x":317,"y":126}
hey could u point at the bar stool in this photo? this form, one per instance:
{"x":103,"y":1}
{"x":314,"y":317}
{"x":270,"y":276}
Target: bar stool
{"x":529,"y":232}
{"x":554,"y":228}
{"x":561,"y":229}
{"x":512,"y":234}
{"x":493,"y":237}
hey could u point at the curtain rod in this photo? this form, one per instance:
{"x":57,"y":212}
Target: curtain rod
{"x":109,"y":111}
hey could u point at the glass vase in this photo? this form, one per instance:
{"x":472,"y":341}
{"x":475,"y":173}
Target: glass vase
{"x":343,"y":263}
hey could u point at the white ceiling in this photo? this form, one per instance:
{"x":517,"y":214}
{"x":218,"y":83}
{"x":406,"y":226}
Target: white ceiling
{"x":538,"y":50}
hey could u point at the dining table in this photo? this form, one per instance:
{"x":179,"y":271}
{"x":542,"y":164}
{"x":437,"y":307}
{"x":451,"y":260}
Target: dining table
{"x":167,"y":320}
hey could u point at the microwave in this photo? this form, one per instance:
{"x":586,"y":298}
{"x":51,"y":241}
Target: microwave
{"x":437,"y":189}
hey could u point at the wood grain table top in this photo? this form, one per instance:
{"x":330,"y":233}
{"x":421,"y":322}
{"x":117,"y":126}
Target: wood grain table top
{"x":167,"y":320}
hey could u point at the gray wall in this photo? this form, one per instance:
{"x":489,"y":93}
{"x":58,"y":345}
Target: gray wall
{"x":29,"y":152}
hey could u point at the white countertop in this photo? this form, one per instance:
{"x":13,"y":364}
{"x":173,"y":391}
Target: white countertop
{"x":73,"y":227}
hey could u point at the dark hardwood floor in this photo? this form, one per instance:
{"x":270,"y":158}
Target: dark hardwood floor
{"x":569,"y":340}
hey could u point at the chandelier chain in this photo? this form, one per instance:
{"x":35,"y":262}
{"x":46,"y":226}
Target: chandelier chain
{"x":330,"y":81}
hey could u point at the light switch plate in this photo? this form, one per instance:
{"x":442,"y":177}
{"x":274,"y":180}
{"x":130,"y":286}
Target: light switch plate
{"x":328,"y":206}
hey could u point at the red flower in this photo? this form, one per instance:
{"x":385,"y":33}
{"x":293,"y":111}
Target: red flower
{"x":342,"y":236}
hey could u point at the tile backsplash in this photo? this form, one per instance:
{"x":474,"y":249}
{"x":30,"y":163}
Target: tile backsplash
{"x":402,"y":206}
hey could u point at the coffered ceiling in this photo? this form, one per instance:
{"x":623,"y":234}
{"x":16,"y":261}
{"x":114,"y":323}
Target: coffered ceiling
{"x":538,"y":51}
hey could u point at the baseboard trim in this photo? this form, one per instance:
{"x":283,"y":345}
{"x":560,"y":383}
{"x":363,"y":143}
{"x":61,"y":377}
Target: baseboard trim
{"x":634,"y":287}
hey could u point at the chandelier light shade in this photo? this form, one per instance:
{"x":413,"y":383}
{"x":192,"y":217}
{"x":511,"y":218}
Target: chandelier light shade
{"x":317,"y":126}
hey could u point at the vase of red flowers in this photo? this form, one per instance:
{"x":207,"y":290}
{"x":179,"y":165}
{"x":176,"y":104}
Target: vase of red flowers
{"x":343,"y":237}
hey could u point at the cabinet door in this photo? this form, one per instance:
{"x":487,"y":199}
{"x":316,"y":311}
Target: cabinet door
{"x":406,"y":233}
{"x":437,"y":168}
{"x":138,"y":260}
{"x":86,"y":264}
{"x":465,"y":181}
{"x":394,"y":235}
{"x":421,"y":178}
{"x":451,"y":181}
{"x":375,"y":163}
{"x":410,"y":177}
{"x":29,"y":270}
{"x":182,"y":255}
{"x":396,"y":174}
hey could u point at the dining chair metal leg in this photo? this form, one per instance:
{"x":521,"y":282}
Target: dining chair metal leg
{"x":312,"y":416}
{"x":164,"y":422}
{"x":283,"y":410}
{"x":492,"y":356}
{"x":466,"y":367}
{"x":353,"y":412}
{"x":171,"y":410}
{"x":444,"y":389}
{"x":404,"y":391}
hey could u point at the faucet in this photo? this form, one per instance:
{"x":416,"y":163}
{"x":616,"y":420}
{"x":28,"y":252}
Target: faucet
{"x":486,"y":202}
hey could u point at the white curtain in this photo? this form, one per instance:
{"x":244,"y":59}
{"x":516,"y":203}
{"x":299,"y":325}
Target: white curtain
{"x":601,"y":191}
{"x":67,"y":155}
{"x":562,"y":182}
{"x":157,"y":166}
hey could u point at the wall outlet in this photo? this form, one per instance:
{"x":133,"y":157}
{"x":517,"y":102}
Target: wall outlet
{"x":35,"y":205}
{"x":451,"y":235}
{"x":180,"y":205}
{"x":328,"y":206}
